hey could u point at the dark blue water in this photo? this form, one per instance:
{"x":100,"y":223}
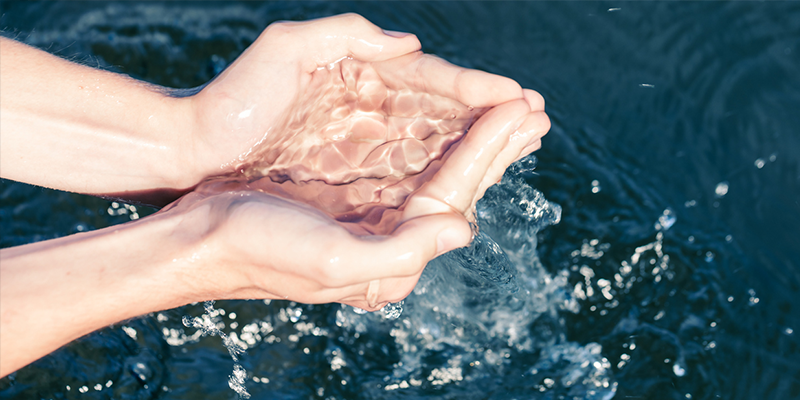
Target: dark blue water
{"x":666,"y":264}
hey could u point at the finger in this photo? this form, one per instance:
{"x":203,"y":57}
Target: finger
{"x":429,"y":74}
{"x":529,"y":149}
{"x":350,"y":35}
{"x":524,"y":138}
{"x":404,"y":102}
{"x":534,"y":99}
{"x":402,"y":254}
{"x":459,"y":178}
{"x":520,"y":144}
{"x":390,"y":290}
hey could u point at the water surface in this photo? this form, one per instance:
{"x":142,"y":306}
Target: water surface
{"x":672,"y":273}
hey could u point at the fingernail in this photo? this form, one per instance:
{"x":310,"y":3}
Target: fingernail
{"x":449,"y":239}
{"x":395,"y":34}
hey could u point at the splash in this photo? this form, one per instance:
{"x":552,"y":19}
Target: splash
{"x":207,"y":324}
{"x":491,"y":310}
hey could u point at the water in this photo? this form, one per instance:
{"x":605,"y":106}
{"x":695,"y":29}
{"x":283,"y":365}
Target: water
{"x":360,"y":139}
{"x":672,"y":273}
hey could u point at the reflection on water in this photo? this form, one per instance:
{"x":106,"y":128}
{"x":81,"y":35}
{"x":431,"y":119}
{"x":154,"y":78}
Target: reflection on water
{"x":672,"y":273}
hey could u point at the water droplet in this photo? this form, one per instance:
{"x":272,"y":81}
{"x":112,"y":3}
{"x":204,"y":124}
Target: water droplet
{"x":666,"y":220}
{"x":392,"y":310}
{"x":752,"y":300}
{"x":721,"y":189}
{"x":678,"y":370}
{"x":236,"y":381}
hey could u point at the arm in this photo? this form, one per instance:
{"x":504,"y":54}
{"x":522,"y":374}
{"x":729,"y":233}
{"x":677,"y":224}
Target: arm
{"x":56,"y":291}
{"x":237,"y":242}
{"x":223,"y":244}
{"x":75,"y":128}
{"x":200,"y":248}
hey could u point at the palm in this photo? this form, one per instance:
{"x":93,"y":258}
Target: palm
{"x":377,"y":150}
{"x":357,"y":141}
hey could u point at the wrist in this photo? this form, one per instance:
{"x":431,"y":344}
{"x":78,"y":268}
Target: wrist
{"x":74,"y":285}
{"x":184,"y":168}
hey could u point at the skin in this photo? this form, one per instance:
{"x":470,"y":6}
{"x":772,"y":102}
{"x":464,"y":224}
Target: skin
{"x":74,"y":128}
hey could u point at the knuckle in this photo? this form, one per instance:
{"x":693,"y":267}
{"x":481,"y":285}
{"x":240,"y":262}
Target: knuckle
{"x":353,"y":18}
{"x":330,"y":275}
{"x":280,"y":29}
{"x":331,"y":268}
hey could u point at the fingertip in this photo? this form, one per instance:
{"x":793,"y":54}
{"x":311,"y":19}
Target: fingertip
{"x":383,"y":46}
{"x":482,"y":89}
{"x":407,"y":40}
{"x":534,"y":126}
{"x":541,"y":123}
{"x":447,"y":231}
{"x":534,"y":99}
{"x":453,"y":238}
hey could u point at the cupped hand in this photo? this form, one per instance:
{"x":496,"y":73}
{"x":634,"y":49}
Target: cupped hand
{"x":259,"y":245}
{"x":287,"y":78}
{"x":253,"y":245}
{"x":370,"y":134}
{"x":347,"y":163}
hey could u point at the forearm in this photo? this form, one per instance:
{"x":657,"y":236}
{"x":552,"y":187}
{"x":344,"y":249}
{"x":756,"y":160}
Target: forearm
{"x":75,"y":128}
{"x":56,"y":291}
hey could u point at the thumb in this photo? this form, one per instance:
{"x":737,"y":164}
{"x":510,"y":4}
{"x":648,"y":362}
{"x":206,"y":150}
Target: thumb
{"x":406,"y":251}
{"x":351,"y":35}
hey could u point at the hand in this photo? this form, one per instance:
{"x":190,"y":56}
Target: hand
{"x":261,"y":246}
{"x":280,"y":82}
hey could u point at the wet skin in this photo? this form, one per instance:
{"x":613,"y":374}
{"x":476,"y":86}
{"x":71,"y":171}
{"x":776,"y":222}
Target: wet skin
{"x":339,"y":167}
